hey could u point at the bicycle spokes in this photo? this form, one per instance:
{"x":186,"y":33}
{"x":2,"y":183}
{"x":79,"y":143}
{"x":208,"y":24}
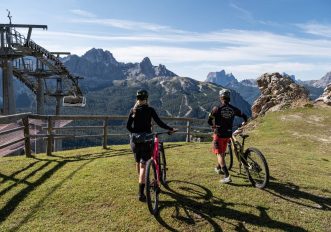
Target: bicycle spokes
{"x":256,"y":165}
{"x":152,"y":187}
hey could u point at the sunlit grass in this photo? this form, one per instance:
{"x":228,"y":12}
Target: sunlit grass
{"x":96,"y":190}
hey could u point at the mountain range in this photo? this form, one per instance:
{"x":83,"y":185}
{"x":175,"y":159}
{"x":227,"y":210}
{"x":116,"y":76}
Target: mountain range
{"x":110,"y":87}
{"x":249,"y":90}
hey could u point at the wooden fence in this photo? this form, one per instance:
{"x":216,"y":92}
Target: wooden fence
{"x":52,"y":133}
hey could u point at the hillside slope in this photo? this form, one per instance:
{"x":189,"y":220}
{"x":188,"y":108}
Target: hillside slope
{"x":95,"y":190}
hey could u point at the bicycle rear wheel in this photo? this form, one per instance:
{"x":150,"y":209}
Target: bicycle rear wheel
{"x":152,"y":187}
{"x":257,"y":168}
{"x":163,"y":166}
{"x":229,"y":156}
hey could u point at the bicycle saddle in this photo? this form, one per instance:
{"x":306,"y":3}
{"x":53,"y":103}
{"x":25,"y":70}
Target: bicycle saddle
{"x":243,"y":136}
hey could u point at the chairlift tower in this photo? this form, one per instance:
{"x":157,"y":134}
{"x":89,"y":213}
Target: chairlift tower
{"x":9,"y":52}
{"x":14,"y":49}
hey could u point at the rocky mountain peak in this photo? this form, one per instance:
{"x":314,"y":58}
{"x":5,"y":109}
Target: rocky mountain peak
{"x":326,"y":96}
{"x":278,"y":92}
{"x":100,"y":56}
{"x":147,"y":68}
{"x":146,"y":62}
{"x":221,"y":78}
{"x":324,"y":81}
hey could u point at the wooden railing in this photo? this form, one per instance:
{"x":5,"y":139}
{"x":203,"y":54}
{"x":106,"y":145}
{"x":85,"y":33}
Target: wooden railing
{"x":53,"y":133}
{"x":25,"y":122}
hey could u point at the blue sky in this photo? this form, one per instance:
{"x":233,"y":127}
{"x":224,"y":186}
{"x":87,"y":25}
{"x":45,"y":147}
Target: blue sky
{"x":190,"y":37}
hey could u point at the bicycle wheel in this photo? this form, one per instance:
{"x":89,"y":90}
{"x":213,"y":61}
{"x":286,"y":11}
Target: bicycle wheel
{"x":229,"y":156}
{"x":163,"y":166}
{"x":152,"y":187}
{"x":257,"y":168}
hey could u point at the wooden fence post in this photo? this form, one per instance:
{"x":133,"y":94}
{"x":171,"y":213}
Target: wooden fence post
{"x":27,"y":143}
{"x":188,"y":131}
{"x":49,"y":136}
{"x":105,"y":133}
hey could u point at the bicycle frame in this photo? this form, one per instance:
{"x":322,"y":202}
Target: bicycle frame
{"x":238,"y":151}
{"x":155,"y":156}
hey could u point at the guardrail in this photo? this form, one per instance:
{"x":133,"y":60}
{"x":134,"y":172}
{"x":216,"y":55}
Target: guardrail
{"x":53,"y":133}
{"x":26,"y":138}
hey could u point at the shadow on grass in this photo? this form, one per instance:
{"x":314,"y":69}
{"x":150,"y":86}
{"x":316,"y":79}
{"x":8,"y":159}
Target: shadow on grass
{"x":193,"y":203}
{"x":48,"y":168}
{"x":292,"y":193}
{"x":105,"y":154}
{"x":167,"y":145}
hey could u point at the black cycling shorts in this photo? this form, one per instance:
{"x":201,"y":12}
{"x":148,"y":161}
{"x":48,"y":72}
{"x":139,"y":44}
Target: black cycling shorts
{"x":142,"y":151}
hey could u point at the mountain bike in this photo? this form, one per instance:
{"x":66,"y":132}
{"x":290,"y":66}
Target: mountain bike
{"x":156,"y":174}
{"x":252,"y":160}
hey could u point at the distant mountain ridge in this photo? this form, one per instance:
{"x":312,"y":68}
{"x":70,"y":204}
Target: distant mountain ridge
{"x":246,"y":88}
{"x":321,"y":83}
{"x":221,"y":78}
{"x":101,"y":68}
{"x":249,"y":90}
{"x":110,"y":87}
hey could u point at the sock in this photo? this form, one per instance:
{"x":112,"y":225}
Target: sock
{"x":225,"y":171}
{"x":218,"y":166}
{"x":141,"y":188}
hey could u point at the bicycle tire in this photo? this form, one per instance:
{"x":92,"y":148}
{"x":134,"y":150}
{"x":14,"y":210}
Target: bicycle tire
{"x":152,"y":187}
{"x":229,"y":156}
{"x":256,"y":165}
{"x":163,"y":166}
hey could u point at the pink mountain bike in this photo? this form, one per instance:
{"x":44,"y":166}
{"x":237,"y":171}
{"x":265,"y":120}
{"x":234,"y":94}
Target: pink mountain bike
{"x":156,"y":174}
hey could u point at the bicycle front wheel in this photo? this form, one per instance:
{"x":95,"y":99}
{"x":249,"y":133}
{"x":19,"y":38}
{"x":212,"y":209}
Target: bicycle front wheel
{"x":163,"y":167}
{"x":256,"y":167}
{"x":152,"y":187}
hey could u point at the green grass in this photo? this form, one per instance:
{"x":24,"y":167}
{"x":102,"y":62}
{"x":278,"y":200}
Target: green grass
{"x":96,"y":190}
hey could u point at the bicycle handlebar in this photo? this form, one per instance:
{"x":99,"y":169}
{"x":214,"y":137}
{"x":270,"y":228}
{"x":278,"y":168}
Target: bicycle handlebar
{"x":150,"y":136}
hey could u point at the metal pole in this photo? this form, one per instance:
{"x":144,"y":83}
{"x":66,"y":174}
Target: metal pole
{"x":40,"y":97}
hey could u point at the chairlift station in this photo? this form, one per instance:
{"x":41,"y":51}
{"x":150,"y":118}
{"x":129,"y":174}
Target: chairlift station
{"x":37,"y":68}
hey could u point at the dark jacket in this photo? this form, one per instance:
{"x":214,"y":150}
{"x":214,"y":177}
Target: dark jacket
{"x":224,"y":116}
{"x":141,"y":120}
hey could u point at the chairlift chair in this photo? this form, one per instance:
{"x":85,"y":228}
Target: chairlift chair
{"x":74,"y":100}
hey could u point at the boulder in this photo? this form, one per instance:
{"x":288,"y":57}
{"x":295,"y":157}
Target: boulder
{"x":277,"y":93}
{"x":326,"y":96}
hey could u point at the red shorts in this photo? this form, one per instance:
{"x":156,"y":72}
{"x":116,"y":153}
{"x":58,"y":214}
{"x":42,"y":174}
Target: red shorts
{"x":219,"y":144}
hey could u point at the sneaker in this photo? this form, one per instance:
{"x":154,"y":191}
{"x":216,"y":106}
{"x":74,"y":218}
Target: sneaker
{"x":226,"y":180}
{"x":218,"y":171}
{"x":142,"y":197}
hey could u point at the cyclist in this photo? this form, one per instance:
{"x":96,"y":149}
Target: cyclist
{"x":140,"y":122}
{"x":221,"y":119}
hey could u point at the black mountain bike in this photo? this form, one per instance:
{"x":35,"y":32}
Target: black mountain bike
{"x":252,"y":160}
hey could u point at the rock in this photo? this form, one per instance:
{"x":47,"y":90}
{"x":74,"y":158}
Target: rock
{"x":326,"y":96}
{"x":277,"y":93}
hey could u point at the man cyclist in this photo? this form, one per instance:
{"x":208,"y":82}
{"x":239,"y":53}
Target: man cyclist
{"x":141,"y":116}
{"x":221,"y":119}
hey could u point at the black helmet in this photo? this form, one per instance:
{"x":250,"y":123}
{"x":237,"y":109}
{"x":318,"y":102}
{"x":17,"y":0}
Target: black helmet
{"x":225,"y":93}
{"x":142,"y":94}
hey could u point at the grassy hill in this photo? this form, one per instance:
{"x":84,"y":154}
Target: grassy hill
{"x":95,"y":190}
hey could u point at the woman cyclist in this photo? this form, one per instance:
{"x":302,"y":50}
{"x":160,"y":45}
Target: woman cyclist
{"x":140,"y":122}
{"x":223,"y":117}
